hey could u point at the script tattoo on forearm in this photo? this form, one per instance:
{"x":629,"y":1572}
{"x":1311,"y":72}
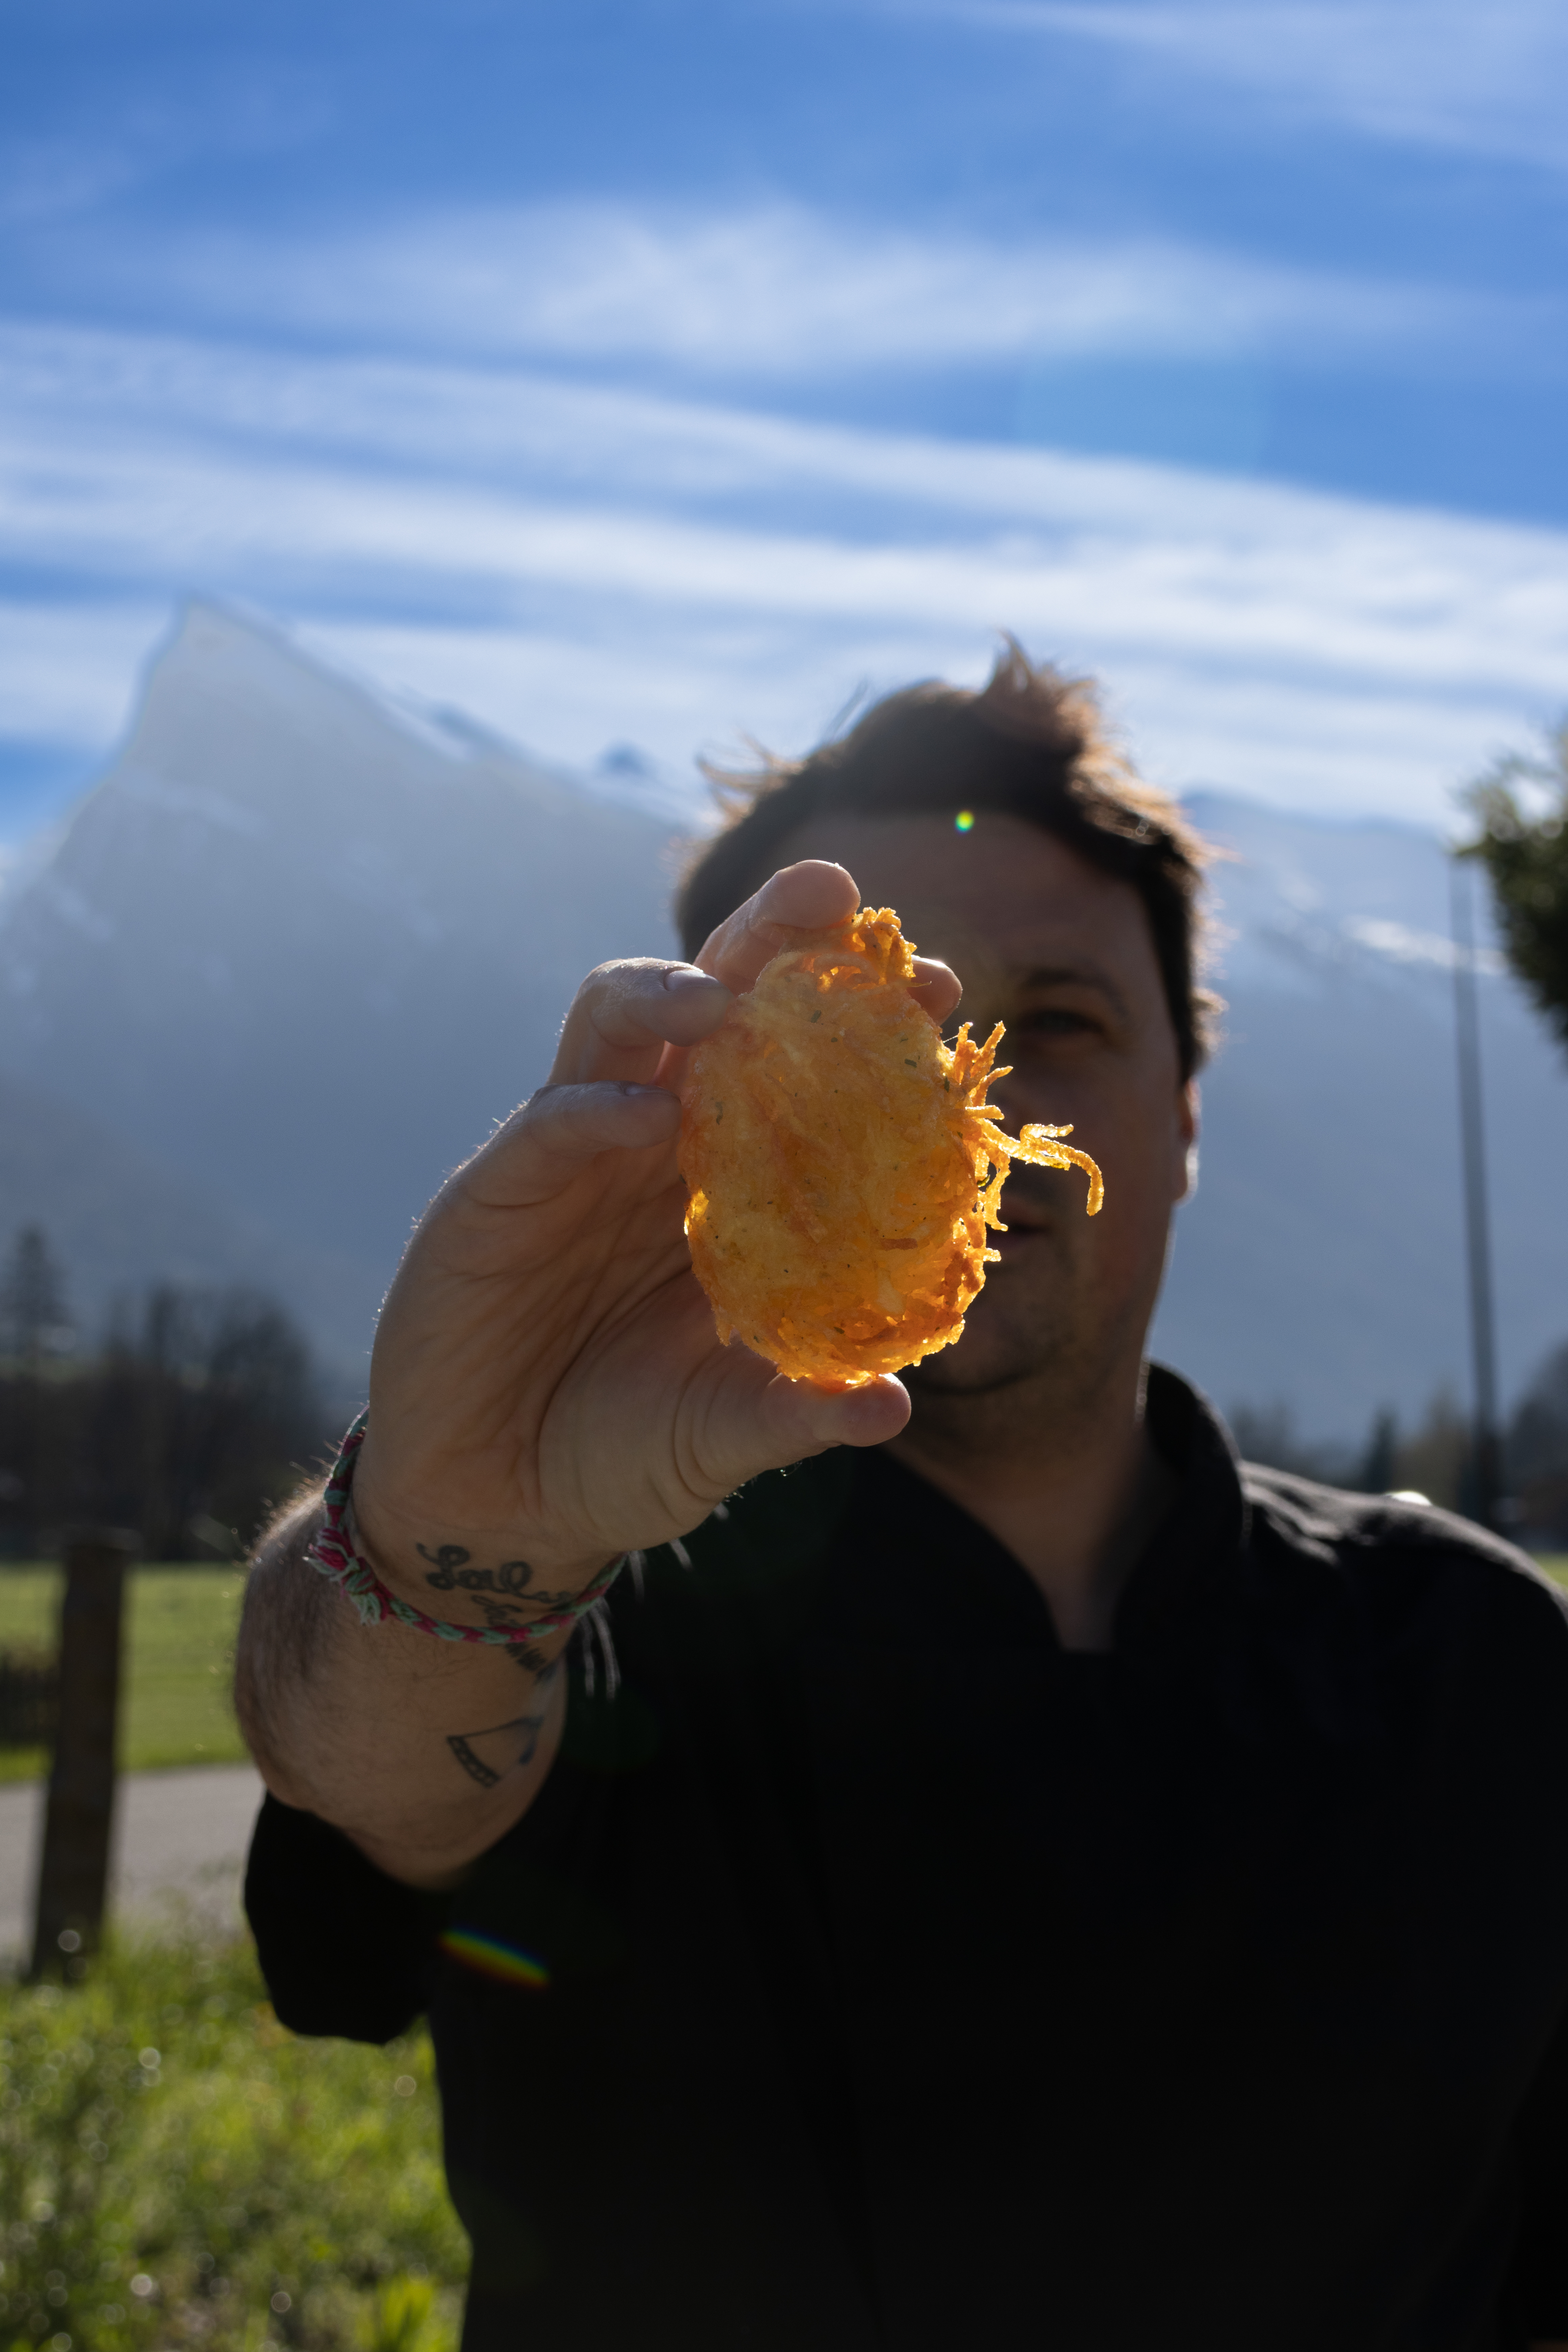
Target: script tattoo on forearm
{"x":450,"y":1572}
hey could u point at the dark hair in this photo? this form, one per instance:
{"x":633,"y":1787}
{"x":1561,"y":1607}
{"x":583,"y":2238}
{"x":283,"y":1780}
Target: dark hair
{"x":1031,"y":743}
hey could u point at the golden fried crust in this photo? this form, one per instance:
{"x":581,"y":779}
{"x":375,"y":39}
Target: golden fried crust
{"x":843,"y":1163}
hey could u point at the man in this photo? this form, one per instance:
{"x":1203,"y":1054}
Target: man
{"x":1034,"y":1884}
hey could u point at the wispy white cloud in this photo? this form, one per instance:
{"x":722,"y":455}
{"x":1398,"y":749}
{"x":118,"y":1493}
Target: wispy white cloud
{"x":68,"y":669}
{"x":786,"y":292}
{"x":1313,"y":745}
{"x":578,"y":564}
{"x":686,"y":681}
{"x":1357,"y":592}
{"x":1148,"y":551}
{"x":1491,"y":79}
{"x":107,"y":397}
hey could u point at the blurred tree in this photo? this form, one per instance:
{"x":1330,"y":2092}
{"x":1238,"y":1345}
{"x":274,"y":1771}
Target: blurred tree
{"x":190,"y":1423}
{"x":1437,"y":1459}
{"x":1267,"y":1434}
{"x":1378,"y":1464}
{"x":1434,"y":1460}
{"x":1537,"y":1453}
{"x":33,"y":1321}
{"x":198,"y":1413}
{"x":34,"y":1339}
{"x":1525,"y":852}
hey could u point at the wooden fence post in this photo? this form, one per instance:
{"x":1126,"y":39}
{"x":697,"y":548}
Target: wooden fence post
{"x":73,"y":1871}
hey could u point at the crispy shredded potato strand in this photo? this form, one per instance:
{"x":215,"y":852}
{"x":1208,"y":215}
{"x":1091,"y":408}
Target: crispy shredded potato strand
{"x":843,"y":1163}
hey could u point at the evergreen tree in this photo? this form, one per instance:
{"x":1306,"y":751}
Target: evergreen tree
{"x":1526,"y":856}
{"x":1376,"y":1474}
{"x":34,"y":1439}
{"x":1538,"y":1451}
{"x":197,"y":1412}
{"x":32,"y":1300}
{"x":195,"y":1416}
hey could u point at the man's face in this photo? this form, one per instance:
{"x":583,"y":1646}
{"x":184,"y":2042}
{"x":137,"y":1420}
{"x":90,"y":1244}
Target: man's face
{"x":1062,"y":954}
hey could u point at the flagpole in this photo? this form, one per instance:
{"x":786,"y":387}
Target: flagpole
{"x":1486,"y":1457}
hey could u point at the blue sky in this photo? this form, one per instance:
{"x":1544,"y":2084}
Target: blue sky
{"x":659,"y":372}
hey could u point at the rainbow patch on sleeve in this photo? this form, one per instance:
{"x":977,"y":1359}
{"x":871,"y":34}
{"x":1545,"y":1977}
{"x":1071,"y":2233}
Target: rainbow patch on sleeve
{"x":489,"y":1957}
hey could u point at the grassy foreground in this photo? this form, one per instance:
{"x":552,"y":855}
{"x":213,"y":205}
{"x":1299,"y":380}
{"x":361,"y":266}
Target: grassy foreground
{"x":176,"y":2171}
{"x":180,"y":1626}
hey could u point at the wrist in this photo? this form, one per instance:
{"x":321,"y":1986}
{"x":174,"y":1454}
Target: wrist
{"x":513,"y":1607}
{"x":473,"y":1575}
{"x":442,"y":1558}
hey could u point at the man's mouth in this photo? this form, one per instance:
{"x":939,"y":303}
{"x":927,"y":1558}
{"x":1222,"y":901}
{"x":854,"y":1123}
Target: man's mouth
{"x":1022,"y":1229}
{"x":1026,"y":1219}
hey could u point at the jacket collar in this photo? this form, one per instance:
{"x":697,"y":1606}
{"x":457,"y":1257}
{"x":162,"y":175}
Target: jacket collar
{"x":925,"y":1569}
{"x":1194,"y":1555}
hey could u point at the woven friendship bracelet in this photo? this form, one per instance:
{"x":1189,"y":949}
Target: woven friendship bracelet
{"x":336,"y":1555}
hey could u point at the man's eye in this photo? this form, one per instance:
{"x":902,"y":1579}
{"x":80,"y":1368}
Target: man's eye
{"x":1054,"y":1022}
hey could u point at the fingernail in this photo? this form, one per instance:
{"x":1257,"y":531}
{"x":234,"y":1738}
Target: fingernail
{"x":682,"y":976}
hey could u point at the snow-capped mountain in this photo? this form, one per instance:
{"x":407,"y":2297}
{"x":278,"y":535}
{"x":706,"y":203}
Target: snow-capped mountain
{"x":301,"y":946}
{"x":1322,"y":1263}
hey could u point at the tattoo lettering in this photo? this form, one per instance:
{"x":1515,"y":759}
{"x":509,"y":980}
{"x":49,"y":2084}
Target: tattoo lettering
{"x":500,"y":1613}
{"x":533,"y":1662}
{"x":450,"y":1574}
{"x":452,"y":1571}
{"x":447,"y":1558}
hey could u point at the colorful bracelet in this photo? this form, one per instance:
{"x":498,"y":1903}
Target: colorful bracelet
{"x":337,"y":1556}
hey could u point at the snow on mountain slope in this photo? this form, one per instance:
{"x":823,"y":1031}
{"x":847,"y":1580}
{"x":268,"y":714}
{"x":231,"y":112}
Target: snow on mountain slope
{"x":301,"y":948}
{"x":1322,"y":1262}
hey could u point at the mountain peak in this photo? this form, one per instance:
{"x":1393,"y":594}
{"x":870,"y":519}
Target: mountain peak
{"x":301,"y":947}
{"x":223,"y":668}
{"x":305,"y":949}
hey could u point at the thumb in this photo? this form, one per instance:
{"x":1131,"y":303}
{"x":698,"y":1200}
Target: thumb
{"x":809,"y":1419}
{"x":759,"y":1421}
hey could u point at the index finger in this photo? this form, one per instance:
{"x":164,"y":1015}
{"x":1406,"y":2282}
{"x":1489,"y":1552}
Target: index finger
{"x":807,"y":896}
{"x":803,"y":898}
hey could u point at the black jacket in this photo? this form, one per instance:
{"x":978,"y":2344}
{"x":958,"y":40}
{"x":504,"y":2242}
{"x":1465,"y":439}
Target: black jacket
{"x":914,"y":1984}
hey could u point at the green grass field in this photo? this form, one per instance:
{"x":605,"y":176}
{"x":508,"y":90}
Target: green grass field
{"x":179,"y":1647}
{"x":178,"y":2174}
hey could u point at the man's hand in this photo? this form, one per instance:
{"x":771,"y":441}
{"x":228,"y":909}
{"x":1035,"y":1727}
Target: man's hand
{"x":547,"y":1389}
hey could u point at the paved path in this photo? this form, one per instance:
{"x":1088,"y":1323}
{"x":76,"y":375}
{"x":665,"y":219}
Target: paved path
{"x":177,"y":1835}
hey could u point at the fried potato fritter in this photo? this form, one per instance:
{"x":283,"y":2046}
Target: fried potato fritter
{"x":843,"y":1163}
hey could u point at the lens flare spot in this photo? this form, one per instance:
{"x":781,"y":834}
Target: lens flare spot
{"x":489,"y":1957}
{"x":965,"y":821}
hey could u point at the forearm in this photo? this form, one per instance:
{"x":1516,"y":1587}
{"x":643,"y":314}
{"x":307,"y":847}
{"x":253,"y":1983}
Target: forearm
{"x":548,"y":1390}
{"x":423,"y":1751}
